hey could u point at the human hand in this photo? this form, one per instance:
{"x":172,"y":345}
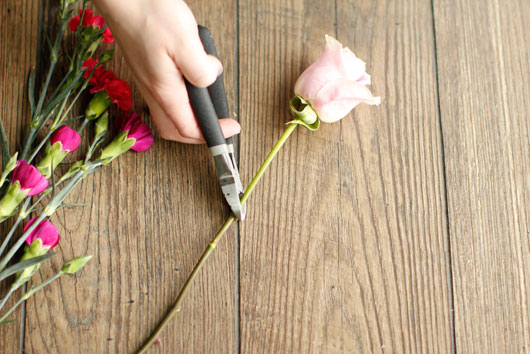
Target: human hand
{"x":160,"y":42}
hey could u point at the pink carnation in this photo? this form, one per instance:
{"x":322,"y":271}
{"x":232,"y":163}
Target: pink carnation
{"x":136,"y":129}
{"x":46,"y":231}
{"x":29,"y":178}
{"x":69,"y":138}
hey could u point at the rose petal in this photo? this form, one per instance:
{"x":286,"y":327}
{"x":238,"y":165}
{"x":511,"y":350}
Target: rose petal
{"x":337,"y":98}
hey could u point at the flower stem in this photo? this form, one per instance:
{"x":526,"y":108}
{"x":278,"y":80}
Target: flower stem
{"x":211,"y":247}
{"x":28,"y":294}
{"x":20,"y":241}
{"x":4,"y":300}
{"x":12,"y":231}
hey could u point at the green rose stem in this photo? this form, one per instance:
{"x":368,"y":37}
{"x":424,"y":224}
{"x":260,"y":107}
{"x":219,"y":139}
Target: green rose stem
{"x":30,"y":293}
{"x":217,"y":237}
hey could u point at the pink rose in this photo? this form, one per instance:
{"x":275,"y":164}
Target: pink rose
{"x":335,"y":83}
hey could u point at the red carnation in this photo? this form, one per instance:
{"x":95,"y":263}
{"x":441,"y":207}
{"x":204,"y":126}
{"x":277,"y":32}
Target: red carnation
{"x":100,"y":78}
{"x":90,"y":20}
{"x":88,"y":66}
{"x":73,"y":23}
{"x":87,"y":17}
{"x":120,"y":93}
{"x":107,"y":36}
{"x":98,"y":21}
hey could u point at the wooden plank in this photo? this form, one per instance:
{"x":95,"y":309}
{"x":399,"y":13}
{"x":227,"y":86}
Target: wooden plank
{"x":148,"y":219}
{"x":19,"y":32}
{"x":344,"y":247}
{"x":483,"y":58}
{"x":393,"y":199}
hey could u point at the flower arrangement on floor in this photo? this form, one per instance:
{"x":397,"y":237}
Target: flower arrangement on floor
{"x":326,"y":91}
{"x":34,"y":184}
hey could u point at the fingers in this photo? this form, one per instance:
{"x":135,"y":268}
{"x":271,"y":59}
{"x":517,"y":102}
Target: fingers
{"x":203,"y":70}
{"x":164,"y":125}
{"x":230,"y":127}
{"x":198,"y":68}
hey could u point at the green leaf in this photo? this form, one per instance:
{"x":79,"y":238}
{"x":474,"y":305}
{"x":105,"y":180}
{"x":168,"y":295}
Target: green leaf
{"x":67,"y":90}
{"x":23,"y":265}
{"x":4,"y":144}
{"x":31,"y":90}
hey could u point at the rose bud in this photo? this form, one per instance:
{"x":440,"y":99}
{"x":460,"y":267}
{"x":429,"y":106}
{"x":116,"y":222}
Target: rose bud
{"x":335,"y":83}
{"x":42,"y":239}
{"x":26,"y":181}
{"x":134,"y":134}
{"x":63,"y":141}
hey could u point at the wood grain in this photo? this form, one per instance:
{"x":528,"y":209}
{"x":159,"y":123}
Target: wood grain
{"x":483,"y":58}
{"x":344,"y":247}
{"x":286,"y":303}
{"x":19,"y":32}
{"x":149,"y":217}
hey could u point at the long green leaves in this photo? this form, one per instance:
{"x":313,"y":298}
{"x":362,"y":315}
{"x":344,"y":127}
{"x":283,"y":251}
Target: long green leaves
{"x":23,"y":265}
{"x":4,"y":144}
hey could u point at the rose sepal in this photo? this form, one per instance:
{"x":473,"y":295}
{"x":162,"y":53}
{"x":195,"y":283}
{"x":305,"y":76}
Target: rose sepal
{"x":304,"y":113}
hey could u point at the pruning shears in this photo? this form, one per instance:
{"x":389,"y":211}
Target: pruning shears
{"x":209,"y":105}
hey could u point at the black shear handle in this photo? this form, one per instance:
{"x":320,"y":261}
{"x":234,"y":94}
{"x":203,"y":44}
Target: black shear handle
{"x":209,"y":104}
{"x":217,"y":89}
{"x":206,"y":116}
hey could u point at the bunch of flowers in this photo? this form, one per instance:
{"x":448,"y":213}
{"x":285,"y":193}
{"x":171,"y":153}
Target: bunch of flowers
{"x":34,"y":185}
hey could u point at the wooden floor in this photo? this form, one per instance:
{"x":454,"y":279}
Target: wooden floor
{"x":405,"y":228}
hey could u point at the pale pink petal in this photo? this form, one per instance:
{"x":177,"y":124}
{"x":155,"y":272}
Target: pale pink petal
{"x":337,"y":98}
{"x":328,"y":67}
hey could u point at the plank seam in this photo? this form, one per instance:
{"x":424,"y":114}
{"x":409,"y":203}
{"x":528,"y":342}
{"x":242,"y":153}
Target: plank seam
{"x":449,"y":264}
{"x":237,"y":317}
{"x":38,"y":68}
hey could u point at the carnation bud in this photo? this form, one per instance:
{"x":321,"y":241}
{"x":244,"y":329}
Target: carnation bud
{"x":94,"y":45}
{"x":97,"y":105}
{"x":11,"y":163}
{"x":102,"y":124}
{"x":118,"y":146}
{"x":75,"y":265}
{"x":32,"y":251}
{"x":106,"y":56}
{"x":76,"y":166}
{"x":8,"y":168}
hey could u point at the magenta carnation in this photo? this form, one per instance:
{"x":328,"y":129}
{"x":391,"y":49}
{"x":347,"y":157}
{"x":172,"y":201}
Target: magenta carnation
{"x":29,"y":178}
{"x":136,"y":129}
{"x":46,"y":231}
{"x":69,"y":138}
